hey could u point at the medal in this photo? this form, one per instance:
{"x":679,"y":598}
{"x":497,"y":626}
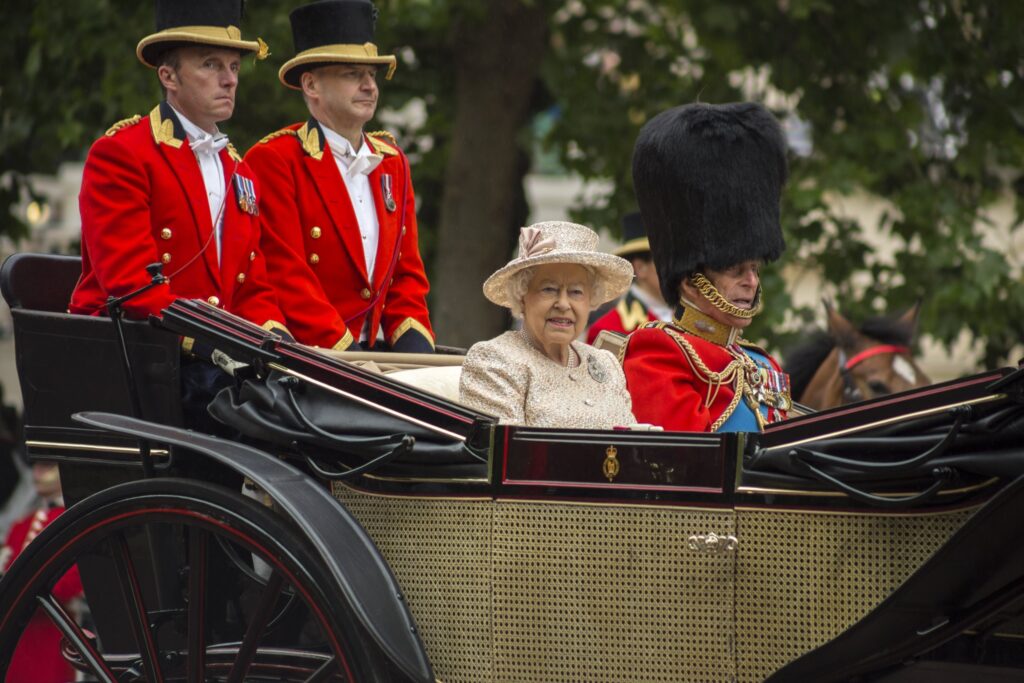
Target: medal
{"x":385,"y":186}
{"x":245,"y":192}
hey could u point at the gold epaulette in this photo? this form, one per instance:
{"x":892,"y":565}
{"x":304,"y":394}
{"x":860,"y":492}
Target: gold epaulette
{"x":233,"y":153}
{"x":276,"y":134}
{"x":384,"y":134}
{"x":123,"y":123}
{"x":381,"y":147}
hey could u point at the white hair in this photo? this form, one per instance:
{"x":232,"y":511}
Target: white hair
{"x":519,"y":283}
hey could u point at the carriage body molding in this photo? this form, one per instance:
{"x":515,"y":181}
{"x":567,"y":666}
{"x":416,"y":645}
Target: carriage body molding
{"x":481,"y":552}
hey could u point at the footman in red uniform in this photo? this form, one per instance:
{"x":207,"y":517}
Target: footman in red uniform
{"x":169,"y":188}
{"x":338,"y":206}
{"x":708,"y":179}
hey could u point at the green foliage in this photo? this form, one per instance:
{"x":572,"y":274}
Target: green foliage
{"x":919,"y":102}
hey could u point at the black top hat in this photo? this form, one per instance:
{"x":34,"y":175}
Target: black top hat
{"x":709,"y":179}
{"x":634,"y":237}
{"x":197,"y":22}
{"x":333,"y":32}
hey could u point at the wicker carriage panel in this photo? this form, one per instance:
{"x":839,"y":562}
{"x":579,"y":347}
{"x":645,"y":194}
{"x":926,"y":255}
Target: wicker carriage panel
{"x":607,"y":593}
{"x":440,"y":551}
{"x":803,"y":578}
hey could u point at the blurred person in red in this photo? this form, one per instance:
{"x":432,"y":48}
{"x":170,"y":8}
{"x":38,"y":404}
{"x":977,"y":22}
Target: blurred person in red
{"x":37,"y":658}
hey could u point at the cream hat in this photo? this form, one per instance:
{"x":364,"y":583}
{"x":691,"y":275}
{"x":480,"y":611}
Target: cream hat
{"x":561,"y":242}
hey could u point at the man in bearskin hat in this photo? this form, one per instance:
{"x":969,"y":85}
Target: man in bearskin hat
{"x":169,"y":187}
{"x":642,"y":302}
{"x":708,"y":179}
{"x":339,"y":211}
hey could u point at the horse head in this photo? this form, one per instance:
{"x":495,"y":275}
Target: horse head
{"x":854,"y":364}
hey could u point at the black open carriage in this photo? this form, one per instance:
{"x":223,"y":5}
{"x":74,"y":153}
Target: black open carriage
{"x":362,"y":529}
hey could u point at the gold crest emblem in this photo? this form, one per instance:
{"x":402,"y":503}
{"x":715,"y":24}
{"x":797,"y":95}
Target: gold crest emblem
{"x":611,"y":463}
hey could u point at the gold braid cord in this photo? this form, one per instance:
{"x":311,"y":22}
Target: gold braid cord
{"x":721,"y":303}
{"x":732,"y":373}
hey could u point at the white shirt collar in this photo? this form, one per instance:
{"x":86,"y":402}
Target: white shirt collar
{"x":193,"y":131}
{"x":340,"y":146}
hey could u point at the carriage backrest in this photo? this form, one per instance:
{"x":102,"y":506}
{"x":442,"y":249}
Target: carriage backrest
{"x":71,"y":363}
{"x":39,"y":282}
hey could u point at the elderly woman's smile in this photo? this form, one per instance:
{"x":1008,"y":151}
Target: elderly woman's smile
{"x":556,"y":305}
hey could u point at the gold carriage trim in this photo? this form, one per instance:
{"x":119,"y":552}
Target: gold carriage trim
{"x":412,"y":324}
{"x":122,"y":124}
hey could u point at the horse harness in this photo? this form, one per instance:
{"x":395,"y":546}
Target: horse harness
{"x":851,"y":392}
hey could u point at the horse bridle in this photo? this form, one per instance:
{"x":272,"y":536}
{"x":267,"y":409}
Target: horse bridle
{"x":851,"y":392}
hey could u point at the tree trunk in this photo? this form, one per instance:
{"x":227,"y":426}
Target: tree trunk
{"x":497,"y":62}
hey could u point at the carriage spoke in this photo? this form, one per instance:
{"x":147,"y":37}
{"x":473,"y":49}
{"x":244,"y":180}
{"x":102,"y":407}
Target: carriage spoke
{"x":257,"y":624}
{"x":70,"y":630}
{"x":323,"y":673}
{"x":198,"y":546}
{"x":137,"y":614}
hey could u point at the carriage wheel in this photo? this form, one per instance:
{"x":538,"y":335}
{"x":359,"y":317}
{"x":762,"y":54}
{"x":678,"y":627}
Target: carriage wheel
{"x":184,"y":581}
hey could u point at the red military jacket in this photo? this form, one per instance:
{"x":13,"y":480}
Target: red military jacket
{"x":685,"y":382}
{"x":37,"y":658}
{"x":143,"y":201}
{"x":629,"y":314}
{"x":314,"y":250}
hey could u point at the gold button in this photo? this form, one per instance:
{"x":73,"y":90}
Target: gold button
{"x":213,"y":301}
{"x":240,"y":278}
{"x":252,"y":255}
{"x":315,"y":233}
{"x":166,"y":233}
{"x":403,"y":230}
{"x":166,"y":258}
{"x":365,"y":293}
{"x":314,"y":259}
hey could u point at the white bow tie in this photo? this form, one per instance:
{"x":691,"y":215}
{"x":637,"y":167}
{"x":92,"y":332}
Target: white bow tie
{"x":210,"y":144}
{"x":362,"y":164}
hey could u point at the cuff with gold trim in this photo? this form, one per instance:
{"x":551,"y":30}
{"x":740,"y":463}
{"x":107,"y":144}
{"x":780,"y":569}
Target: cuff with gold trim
{"x":412,"y":337}
{"x":345,"y":343}
{"x":279,"y":329}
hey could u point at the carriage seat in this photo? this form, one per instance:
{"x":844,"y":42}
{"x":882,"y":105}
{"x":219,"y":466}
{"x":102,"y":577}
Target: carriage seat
{"x":72,"y":363}
{"x":440,"y":381}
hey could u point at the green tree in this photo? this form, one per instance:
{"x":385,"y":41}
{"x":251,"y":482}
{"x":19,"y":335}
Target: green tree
{"x":919,"y":102}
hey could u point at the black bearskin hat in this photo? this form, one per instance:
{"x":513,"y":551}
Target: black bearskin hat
{"x":709,"y":179}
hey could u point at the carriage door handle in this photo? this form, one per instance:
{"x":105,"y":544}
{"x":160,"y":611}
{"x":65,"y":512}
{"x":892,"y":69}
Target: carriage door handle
{"x":712,"y":543}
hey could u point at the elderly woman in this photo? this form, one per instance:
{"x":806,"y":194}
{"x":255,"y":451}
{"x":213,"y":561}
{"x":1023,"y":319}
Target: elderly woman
{"x":540,"y":376}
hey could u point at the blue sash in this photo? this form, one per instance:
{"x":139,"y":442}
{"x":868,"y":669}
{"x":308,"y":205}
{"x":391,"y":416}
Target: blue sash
{"x":742,"y":419}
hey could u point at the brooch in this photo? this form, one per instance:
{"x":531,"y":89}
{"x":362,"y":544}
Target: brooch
{"x":598,"y":373}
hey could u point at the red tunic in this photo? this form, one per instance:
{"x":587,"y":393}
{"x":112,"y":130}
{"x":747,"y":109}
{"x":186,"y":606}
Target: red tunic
{"x":314,"y":250}
{"x":667,"y":372}
{"x":143,"y":201}
{"x":37,"y":658}
{"x":629,"y":314}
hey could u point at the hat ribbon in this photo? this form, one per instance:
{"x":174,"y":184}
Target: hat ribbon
{"x":533,"y":243}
